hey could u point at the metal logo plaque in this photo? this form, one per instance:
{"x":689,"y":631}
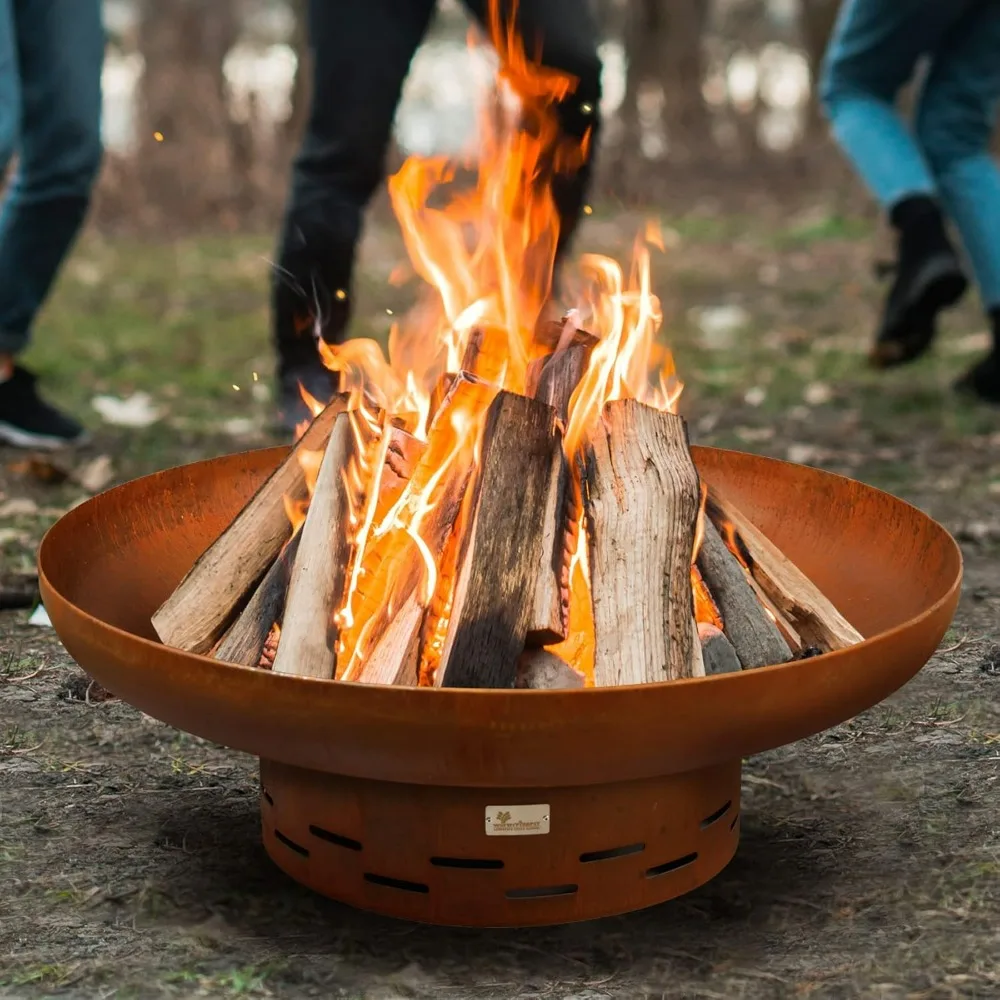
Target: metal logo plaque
{"x":517,"y":821}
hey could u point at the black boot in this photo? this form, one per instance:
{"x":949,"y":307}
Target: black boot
{"x":929,"y":278}
{"x":982,"y":380}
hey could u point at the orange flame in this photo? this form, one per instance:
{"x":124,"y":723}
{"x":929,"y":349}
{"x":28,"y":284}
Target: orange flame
{"x":486,"y":256}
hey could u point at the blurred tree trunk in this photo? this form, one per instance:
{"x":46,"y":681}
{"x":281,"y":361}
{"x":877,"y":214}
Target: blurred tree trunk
{"x":302,"y":84}
{"x":682,"y":73}
{"x":198,"y":165}
{"x":817,"y":19}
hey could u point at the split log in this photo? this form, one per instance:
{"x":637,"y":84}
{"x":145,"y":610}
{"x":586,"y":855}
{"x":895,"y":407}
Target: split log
{"x":756,"y":639}
{"x":442,"y":389}
{"x":386,"y":624}
{"x":717,"y":651}
{"x":401,"y":457}
{"x":554,"y":378}
{"x":540,"y":670}
{"x":202,"y":605}
{"x":641,"y":498}
{"x":557,"y":334}
{"x":550,"y":608}
{"x":244,"y":642}
{"x":809,"y":611}
{"x":308,"y":645}
{"x":501,"y":546}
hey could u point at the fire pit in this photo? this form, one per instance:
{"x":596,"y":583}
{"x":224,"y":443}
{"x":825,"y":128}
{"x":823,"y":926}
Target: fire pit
{"x":502,"y":807}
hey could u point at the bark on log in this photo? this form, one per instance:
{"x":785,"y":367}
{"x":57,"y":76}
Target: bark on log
{"x":202,"y":605}
{"x":540,"y":670}
{"x":641,"y":498}
{"x":756,"y":639}
{"x":554,"y":334}
{"x":244,"y":642}
{"x":401,"y":458}
{"x":491,"y":609}
{"x":308,"y":645}
{"x":717,"y":651}
{"x":553,"y":379}
{"x":809,"y":611}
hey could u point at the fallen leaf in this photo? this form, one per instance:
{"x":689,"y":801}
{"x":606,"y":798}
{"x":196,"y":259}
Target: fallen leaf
{"x":720,"y":324}
{"x":136,"y":411}
{"x":94,"y":475}
{"x":755,"y":396}
{"x":754,"y":433}
{"x":239,"y":427}
{"x":799,"y":413}
{"x":817,"y":393}
{"x":802,"y":454}
{"x":19,"y":507}
{"x":41,"y":469}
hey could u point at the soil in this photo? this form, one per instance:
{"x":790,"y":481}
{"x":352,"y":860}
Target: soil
{"x":869,"y":865}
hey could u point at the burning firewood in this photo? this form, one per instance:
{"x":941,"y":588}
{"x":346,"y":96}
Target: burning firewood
{"x":389,"y":615}
{"x":641,"y":498}
{"x":809,"y":611}
{"x":502,"y":545}
{"x":755,"y":638}
{"x":197,"y":612}
{"x":308,"y":636}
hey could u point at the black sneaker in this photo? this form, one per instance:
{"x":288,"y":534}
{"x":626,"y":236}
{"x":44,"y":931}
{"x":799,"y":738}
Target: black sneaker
{"x":982,"y":380}
{"x":921,"y":290}
{"x":319,"y":382}
{"x":27,"y":421}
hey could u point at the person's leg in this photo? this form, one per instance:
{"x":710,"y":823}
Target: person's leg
{"x":10,"y":86}
{"x":361,"y":54}
{"x":59,"y":52}
{"x":564,"y":35}
{"x":873,"y":53}
{"x":955,"y":121}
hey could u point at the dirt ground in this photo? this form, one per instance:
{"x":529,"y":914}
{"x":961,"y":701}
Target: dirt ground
{"x":869,"y":865}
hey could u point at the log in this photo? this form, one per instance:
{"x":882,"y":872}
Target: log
{"x":554,"y":335}
{"x":244,"y":642}
{"x":550,"y":609}
{"x":756,"y":638}
{"x":501,"y":547}
{"x":641,"y":499}
{"x":717,"y":651}
{"x":487,"y":354}
{"x":308,"y":645}
{"x":810,"y":612}
{"x":553,"y":379}
{"x":202,"y":605}
{"x":384,"y":621}
{"x":540,"y":670}
{"x":401,"y":457}
{"x":442,"y":389}
{"x":18,"y":590}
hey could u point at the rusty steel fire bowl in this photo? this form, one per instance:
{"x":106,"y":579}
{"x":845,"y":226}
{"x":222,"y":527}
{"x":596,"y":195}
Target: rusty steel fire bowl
{"x":501,"y":808}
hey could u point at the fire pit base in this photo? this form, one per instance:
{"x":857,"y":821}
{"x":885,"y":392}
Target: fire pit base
{"x":491,"y":857}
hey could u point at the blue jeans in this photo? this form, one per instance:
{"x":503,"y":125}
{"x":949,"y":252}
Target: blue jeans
{"x":51,"y":55}
{"x":873,"y":53}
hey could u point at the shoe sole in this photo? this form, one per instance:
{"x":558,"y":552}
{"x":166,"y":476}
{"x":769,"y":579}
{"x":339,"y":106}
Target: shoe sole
{"x":20,"y":438}
{"x":937,"y":288}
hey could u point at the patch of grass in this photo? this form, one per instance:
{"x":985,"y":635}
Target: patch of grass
{"x":38,"y":975}
{"x":248,"y":981}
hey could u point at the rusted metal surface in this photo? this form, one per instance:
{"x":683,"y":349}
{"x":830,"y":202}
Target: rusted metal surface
{"x":434,"y":759}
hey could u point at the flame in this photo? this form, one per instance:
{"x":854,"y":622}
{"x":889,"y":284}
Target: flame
{"x":485,"y":254}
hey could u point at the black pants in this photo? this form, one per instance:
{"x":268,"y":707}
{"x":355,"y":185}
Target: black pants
{"x":361,"y":54}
